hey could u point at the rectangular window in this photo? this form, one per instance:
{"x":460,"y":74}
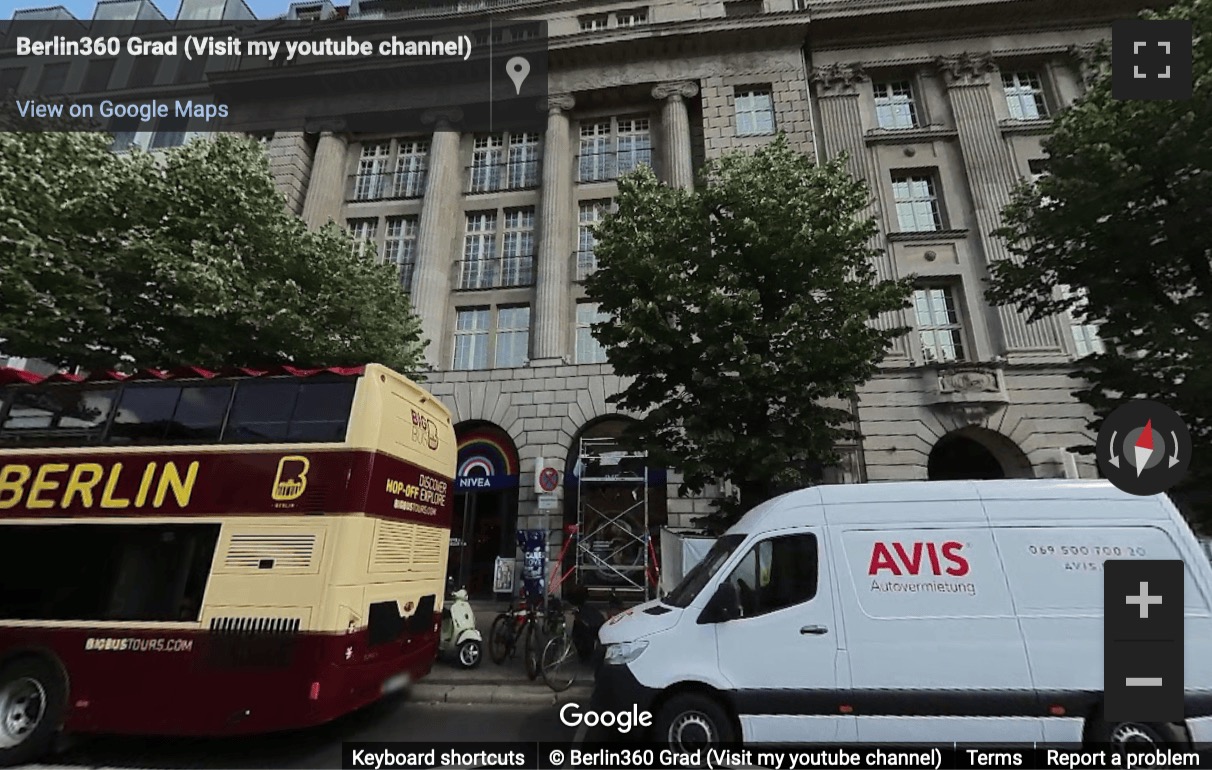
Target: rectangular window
{"x":486,"y":163}
{"x":588,"y":349}
{"x":364,"y":233}
{"x":58,"y":415}
{"x":594,"y":23}
{"x":938,"y":324}
{"x":471,"y":339}
{"x":1024,"y":95}
{"x":289,"y":410}
{"x":634,"y":140}
{"x":523,"y":168}
{"x":595,"y":161}
{"x":98,"y":74}
{"x":513,"y":336}
{"x":1085,"y":334}
{"x":632,"y":18}
{"x":412,"y":163}
{"x":775,"y":574}
{"x":590,"y":214}
{"x":479,"y":266}
{"x":917,"y":208}
{"x":517,"y":259}
{"x":1037,"y":167}
{"x":894,"y":105}
{"x":754,"y":112}
{"x":151,"y":573}
{"x":369,"y":182}
{"x":400,"y":247}
{"x":54,"y":79}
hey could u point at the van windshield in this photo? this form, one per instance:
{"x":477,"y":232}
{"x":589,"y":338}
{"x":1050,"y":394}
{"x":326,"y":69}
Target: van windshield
{"x":701,"y":573}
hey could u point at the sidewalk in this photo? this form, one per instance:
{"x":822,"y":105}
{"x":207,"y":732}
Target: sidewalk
{"x":492,"y":683}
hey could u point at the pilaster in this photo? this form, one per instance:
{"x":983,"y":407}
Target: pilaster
{"x":555,"y":231}
{"x":439,"y":221}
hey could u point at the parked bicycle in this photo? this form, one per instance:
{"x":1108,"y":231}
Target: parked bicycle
{"x":560,"y":662}
{"x":511,"y":626}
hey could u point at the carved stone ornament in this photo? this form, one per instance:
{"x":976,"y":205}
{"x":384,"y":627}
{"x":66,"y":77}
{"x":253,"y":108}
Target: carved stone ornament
{"x":839,"y":79}
{"x":966,"y":69}
{"x":971,"y":414}
{"x":442,"y":119}
{"x":683,"y":89}
{"x":968,"y":380}
{"x":556,"y":103}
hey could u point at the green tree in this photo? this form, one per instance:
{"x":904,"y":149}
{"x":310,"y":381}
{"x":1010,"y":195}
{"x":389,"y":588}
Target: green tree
{"x":184,"y":257}
{"x":743,"y":312}
{"x":1124,"y":220}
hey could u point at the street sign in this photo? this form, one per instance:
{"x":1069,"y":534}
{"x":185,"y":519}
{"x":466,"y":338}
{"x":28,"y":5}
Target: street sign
{"x":546,"y":476}
{"x":548,"y":502}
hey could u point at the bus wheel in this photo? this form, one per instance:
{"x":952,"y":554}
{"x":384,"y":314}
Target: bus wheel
{"x":33,"y":699}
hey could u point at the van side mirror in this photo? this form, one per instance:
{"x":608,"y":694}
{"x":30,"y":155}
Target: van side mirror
{"x":725,"y":605}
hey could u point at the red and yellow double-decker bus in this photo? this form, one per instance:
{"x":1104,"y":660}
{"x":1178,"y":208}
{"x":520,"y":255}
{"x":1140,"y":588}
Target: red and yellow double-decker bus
{"x":214,"y":553}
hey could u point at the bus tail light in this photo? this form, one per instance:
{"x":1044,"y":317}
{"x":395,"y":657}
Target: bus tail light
{"x":315,"y":691}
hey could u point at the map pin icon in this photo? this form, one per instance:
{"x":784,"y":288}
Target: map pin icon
{"x":517,"y":68}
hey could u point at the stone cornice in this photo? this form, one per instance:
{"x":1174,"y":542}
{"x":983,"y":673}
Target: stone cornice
{"x":903,"y":135}
{"x":1037,"y":126}
{"x":683,"y":89}
{"x":839,"y":79}
{"x":966,"y":69}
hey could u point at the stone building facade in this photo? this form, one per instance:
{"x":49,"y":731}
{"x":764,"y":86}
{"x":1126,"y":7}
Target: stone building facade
{"x":940,"y":105}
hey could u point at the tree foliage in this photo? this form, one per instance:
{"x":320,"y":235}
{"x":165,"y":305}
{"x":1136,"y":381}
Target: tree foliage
{"x":182,"y":257}
{"x":1124,"y":219}
{"x":742,"y":312}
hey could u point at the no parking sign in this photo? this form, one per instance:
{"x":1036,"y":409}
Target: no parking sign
{"x":546,"y":477}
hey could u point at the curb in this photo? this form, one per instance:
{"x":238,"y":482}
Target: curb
{"x":437,"y":692}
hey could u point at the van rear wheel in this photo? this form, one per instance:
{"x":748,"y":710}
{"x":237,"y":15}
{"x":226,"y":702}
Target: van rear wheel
{"x":33,"y":701}
{"x":691,"y":721}
{"x":1136,"y":736}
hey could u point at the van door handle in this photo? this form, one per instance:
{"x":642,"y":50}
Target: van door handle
{"x":817,"y":630}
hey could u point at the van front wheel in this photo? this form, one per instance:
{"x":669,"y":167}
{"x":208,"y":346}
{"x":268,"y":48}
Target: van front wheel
{"x":691,"y":721}
{"x":1136,"y":736}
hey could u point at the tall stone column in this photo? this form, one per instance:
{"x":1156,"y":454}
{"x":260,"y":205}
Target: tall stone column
{"x":991,"y":176}
{"x":439,"y":222}
{"x":326,"y":188}
{"x":555,"y":232}
{"x":837,"y":88}
{"x":675,"y":125}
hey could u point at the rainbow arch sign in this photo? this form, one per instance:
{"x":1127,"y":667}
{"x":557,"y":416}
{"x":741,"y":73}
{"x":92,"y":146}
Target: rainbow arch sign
{"x":487,"y":461}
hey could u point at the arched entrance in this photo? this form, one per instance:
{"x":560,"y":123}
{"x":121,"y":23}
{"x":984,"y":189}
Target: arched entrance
{"x":977,"y":453}
{"x":485,"y":506}
{"x":618,"y":501}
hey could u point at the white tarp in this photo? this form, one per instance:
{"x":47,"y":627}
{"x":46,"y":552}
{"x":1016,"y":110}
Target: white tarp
{"x":680,"y":551}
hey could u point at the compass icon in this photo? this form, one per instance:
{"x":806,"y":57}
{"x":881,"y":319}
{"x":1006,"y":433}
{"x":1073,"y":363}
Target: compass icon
{"x":1144,"y":448}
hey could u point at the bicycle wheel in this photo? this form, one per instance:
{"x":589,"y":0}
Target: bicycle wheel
{"x":499,"y":638}
{"x":533,"y":649}
{"x":559,"y":663}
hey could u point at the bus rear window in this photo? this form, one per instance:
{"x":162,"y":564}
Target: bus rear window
{"x":135,"y":572}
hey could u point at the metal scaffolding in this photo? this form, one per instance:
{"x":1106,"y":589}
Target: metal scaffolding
{"x":612,"y":517}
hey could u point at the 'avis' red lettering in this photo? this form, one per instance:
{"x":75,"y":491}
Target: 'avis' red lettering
{"x":906,"y":559}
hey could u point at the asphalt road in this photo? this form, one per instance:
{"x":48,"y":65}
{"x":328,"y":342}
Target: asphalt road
{"x":396,"y":720}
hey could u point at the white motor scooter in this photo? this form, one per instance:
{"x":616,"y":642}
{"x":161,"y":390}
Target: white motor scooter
{"x":460,"y":639}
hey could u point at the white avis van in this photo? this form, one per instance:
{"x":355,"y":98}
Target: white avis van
{"x":906,"y":612}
